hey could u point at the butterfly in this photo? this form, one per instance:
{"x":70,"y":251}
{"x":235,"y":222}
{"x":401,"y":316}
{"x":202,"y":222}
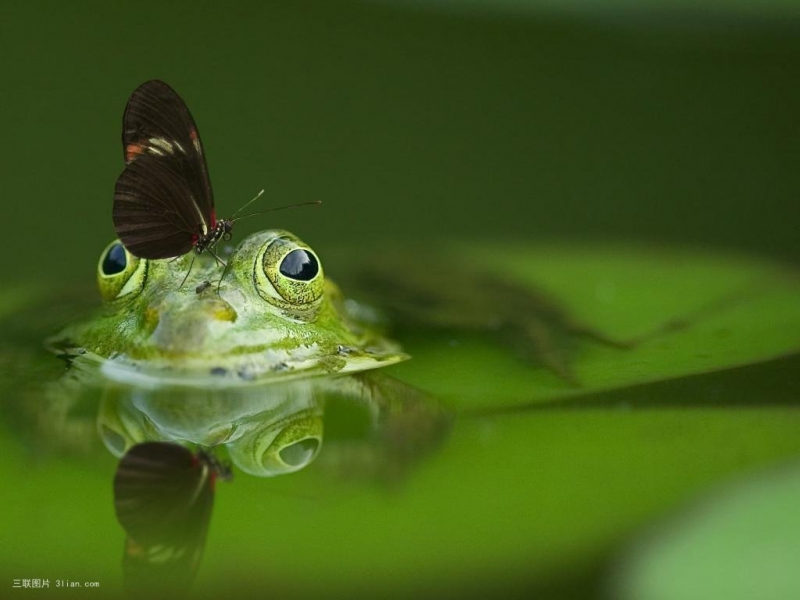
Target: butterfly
{"x":163,"y":498}
{"x":163,"y":201}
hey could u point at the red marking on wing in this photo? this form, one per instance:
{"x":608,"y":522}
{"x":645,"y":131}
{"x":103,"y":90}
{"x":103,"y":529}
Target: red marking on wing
{"x":214,"y":218}
{"x":195,"y":239}
{"x":193,"y":134}
{"x":132,"y":151}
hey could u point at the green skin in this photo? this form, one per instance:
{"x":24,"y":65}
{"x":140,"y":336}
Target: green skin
{"x":172,"y":318}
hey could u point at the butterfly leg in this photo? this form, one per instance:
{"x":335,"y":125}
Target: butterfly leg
{"x":189,"y":270}
{"x":219,"y":260}
{"x":219,"y":283}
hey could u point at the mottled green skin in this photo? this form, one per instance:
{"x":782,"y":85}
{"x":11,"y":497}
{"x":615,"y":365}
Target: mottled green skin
{"x":256,"y":324}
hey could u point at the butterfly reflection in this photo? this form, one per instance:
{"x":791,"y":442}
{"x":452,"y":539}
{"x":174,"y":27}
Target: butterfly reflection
{"x":163,"y":497}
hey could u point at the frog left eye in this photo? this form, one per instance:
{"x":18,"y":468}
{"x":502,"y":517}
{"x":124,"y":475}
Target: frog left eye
{"x":120,"y":273}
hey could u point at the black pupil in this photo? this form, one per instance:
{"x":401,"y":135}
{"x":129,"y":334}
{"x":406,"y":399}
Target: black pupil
{"x":300,"y":265}
{"x":299,"y":453}
{"x":115,"y":260}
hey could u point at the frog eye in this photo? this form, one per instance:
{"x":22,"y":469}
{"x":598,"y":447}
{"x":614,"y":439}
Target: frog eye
{"x":282,"y":447}
{"x":300,"y":265}
{"x":291,"y":273}
{"x":120,"y":273}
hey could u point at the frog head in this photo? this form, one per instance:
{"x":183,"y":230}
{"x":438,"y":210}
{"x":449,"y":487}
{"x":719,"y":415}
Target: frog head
{"x":271,"y":313}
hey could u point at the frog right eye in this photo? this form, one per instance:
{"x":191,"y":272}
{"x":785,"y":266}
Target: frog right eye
{"x":120,"y":273}
{"x":281,"y":447}
{"x":290,"y":275}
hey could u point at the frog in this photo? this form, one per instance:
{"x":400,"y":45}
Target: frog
{"x":245,"y":359}
{"x":271,"y":315}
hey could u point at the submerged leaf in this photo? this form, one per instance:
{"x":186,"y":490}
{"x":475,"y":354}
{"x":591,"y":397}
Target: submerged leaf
{"x":686,"y":312}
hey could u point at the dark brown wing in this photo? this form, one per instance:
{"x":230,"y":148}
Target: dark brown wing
{"x":163,"y":492}
{"x":155,"y":214}
{"x":158,"y":124}
{"x":163,"y":497}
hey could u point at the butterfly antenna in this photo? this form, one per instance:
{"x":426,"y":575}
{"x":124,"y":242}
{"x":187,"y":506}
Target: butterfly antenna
{"x":275,"y":208}
{"x":246,"y":204}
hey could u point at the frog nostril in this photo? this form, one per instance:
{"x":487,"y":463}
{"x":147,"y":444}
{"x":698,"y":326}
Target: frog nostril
{"x":222,"y":311}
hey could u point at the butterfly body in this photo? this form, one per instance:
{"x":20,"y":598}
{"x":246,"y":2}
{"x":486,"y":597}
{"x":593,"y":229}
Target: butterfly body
{"x":220,"y":230}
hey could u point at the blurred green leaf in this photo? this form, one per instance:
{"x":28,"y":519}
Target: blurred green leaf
{"x":741,"y":542}
{"x":696,"y":311}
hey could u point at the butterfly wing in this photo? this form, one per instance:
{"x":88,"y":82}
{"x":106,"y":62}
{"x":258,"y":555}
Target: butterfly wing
{"x":155,"y":215}
{"x":161,"y":489}
{"x":163,"y":497}
{"x":158,"y":129}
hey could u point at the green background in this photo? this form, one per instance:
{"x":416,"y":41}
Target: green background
{"x":654,"y":123}
{"x":657,"y":123}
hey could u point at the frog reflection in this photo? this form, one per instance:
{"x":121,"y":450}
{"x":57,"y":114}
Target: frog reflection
{"x":164,"y":499}
{"x":266,"y":430}
{"x":276,"y":429}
